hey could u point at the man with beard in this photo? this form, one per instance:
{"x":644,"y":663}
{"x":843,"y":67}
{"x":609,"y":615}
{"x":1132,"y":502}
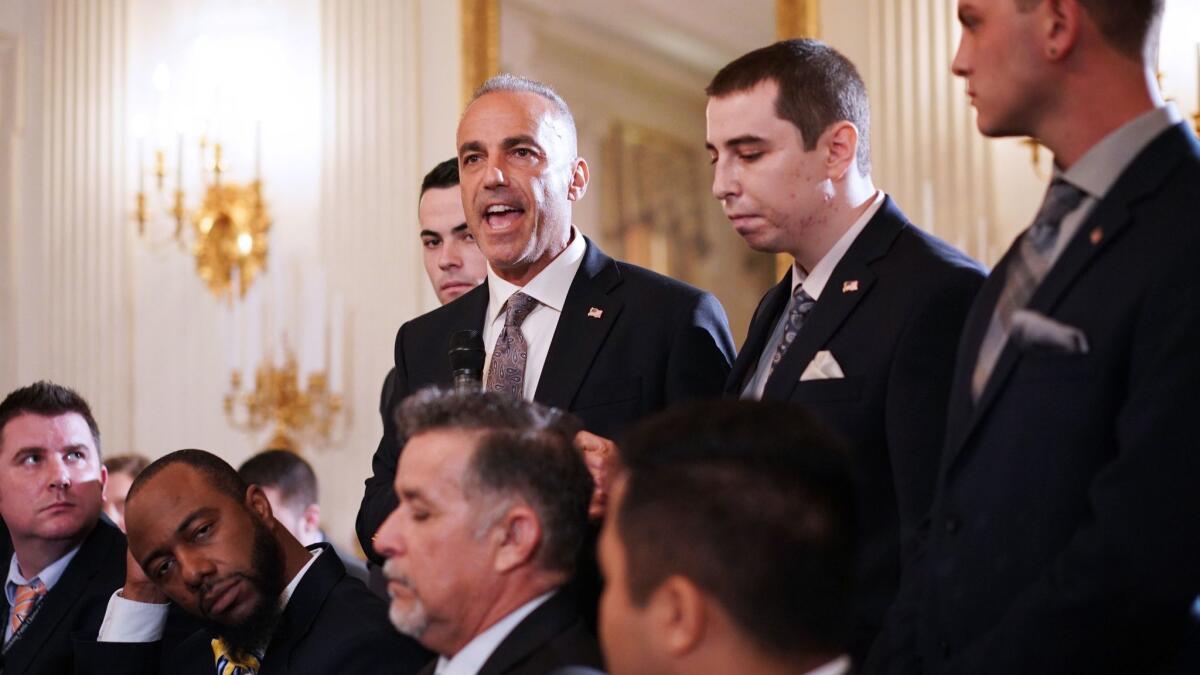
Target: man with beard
{"x":492,"y":517}
{"x":203,"y":538}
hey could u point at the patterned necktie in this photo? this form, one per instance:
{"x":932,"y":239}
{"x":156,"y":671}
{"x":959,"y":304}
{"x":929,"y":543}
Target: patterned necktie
{"x":507,"y":372}
{"x":1025,"y":272}
{"x":801,"y":304}
{"x":227,"y":664}
{"x":27,"y":597}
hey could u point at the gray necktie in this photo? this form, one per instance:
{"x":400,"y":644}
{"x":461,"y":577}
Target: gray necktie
{"x":507,"y":372}
{"x":801,"y":304}
{"x":1025,"y":272}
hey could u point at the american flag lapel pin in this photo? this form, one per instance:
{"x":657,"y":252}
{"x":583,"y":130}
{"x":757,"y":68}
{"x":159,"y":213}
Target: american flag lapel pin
{"x":1096,"y":235}
{"x":595,"y":313}
{"x":850,"y":286}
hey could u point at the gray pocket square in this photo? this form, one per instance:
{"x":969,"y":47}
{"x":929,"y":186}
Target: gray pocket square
{"x":1032,"y":331}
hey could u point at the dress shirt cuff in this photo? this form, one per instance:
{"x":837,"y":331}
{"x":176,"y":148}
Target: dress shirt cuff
{"x":131,"y":621}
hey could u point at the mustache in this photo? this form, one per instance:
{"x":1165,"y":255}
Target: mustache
{"x":391,"y":570}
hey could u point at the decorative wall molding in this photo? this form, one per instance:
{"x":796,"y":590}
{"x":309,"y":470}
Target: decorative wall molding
{"x":75,"y":277}
{"x":11,"y":103}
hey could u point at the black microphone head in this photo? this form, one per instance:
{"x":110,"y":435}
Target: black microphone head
{"x":467,"y":353}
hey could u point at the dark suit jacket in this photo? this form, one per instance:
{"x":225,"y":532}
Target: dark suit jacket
{"x":656,"y":341}
{"x":1063,"y":534}
{"x":76,"y":603}
{"x":332,"y":624}
{"x":553,"y":636}
{"x":894,"y":338}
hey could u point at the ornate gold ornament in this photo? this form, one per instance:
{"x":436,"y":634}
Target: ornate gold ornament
{"x":307,"y":415}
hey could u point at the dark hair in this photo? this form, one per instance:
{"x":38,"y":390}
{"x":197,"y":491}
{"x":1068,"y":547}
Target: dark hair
{"x":218,"y":472}
{"x":1125,"y":24}
{"x":753,"y":502}
{"x":130,"y":463}
{"x":285,"y":471}
{"x":544,"y":469}
{"x":444,"y":175}
{"x":526,"y":451}
{"x":48,"y":400}
{"x":817,"y":87}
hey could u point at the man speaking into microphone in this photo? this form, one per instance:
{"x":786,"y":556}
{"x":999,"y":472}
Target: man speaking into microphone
{"x":562,"y":323}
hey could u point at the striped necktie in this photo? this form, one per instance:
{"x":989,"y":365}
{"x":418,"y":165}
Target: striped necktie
{"x":27,"y":597}
{"x":1025,"y":272}
{"x":231,"y":664}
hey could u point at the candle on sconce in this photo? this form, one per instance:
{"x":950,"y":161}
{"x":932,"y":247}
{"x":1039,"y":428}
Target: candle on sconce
{"x":179,"y":162}
{"x":338,"y":318}
{"x":141,"y":160}
{"x":258,"y":150}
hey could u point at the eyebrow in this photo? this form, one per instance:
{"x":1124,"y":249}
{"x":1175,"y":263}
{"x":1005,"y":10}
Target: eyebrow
{"x":430,"y":233}
{"x":507,"y":143}
{"x":183,"y":526}
{"x":459,"y":229}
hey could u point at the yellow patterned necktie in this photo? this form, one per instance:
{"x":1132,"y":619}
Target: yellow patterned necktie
{"x":227,"y":664}
{"x":26,"y":598}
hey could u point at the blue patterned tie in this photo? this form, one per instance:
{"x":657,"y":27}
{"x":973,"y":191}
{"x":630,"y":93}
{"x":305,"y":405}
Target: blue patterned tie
{"x":507,"y":372}
{"x":801,"y":304}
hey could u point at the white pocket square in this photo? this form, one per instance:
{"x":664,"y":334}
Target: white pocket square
{"x":1032,"y":330}
{"x":822,"y":367}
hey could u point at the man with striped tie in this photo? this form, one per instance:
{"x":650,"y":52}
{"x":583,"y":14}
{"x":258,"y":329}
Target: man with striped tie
{"x":63,"y":560}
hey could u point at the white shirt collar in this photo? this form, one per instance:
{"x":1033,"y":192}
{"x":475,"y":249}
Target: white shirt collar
{"x":1100,"y":166}
{"x":48,"y":576}
{"x":291,"y":587}
{"x":471,"y":658}
{"x":549,"y":287}
{"x":838,"y":666}
{"x":814,"y":282}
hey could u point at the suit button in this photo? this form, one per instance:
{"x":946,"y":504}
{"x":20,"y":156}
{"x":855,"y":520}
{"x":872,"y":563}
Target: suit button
{"x":952,"y":525}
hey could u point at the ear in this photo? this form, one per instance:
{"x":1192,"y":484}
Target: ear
{"x":517,"y":537}
{"x":579,"y":180}
{"x":103,"y":483}
{"x":256,"y":500}
{"x":840,"y":142}
{"x":679,"y":614}
{"x":310,"y":519}
{"x":1059,"y":24}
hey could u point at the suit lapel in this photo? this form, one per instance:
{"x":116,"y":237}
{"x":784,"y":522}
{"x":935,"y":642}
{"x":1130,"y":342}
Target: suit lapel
{"x":1106,"y":222}
{"x":303,"y":607}
{"x":70,"y":588}
{"x":588,"y":315}
{"x":769,"y":309}
{"x":551,"y":618}
{"x":849,"y":283}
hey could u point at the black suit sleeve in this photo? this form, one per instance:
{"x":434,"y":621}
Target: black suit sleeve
{"x":701,"y":352}
{"x":379,"y":499}
{"x":1092,"y":605}
{"x":922,"y":372}
{"x":128,"y":658}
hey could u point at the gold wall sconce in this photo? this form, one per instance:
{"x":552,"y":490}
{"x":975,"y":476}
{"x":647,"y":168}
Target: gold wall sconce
{"x":299,"y":415}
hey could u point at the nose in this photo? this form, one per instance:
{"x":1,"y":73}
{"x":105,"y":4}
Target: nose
{"x":449,"y":257}
{"x":494,"y":176}
{"x":725,"y":184}
{"x":194,"y":568}
{"x":389,"y":540}
{"x":959,"y":65}
{"x":60,"y":474}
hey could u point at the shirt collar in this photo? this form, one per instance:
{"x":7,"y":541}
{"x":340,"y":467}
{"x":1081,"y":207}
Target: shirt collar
{"x":291,"y":587}
{"x":838,"y":666}
{"x":470,"y":659}
{"x":48,"y":576}
{"x":814,"y":282}
{"x":1100,"y":166}
{"x":549,"y":287}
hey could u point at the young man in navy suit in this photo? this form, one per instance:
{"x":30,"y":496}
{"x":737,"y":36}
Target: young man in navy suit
{"x":863,"y":327}
{"x":576,"y":329}
{"x":1061,"y":536}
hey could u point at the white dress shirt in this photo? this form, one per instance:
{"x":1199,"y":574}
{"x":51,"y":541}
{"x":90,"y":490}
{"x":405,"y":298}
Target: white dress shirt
{"x":132,"y":621}
{"x":549,"y":288}
{"x":838,"y":666}
{"x":814,"y":284}
{"x":471,"y":658}
{"x":48,"y":577}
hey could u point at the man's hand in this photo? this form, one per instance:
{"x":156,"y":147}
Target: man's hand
{"x":138,"y":587}
{"x":602,"y":459}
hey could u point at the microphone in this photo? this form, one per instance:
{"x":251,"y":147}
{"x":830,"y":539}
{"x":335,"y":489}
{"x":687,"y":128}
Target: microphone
{"x":466,"y":359}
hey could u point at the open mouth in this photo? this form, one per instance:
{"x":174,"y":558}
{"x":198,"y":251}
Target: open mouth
{"x":502,"y":216}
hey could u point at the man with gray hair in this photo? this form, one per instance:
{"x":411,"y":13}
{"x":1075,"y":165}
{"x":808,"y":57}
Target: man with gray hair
{"x":492,"y":515}
{"x":562,"y":323}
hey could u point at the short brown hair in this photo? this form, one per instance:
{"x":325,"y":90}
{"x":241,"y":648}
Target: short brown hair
{"x":47,"y":399}
{"x":130,"y":463}
{"x":1125,"y":24}
{"x":817,"y":87}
